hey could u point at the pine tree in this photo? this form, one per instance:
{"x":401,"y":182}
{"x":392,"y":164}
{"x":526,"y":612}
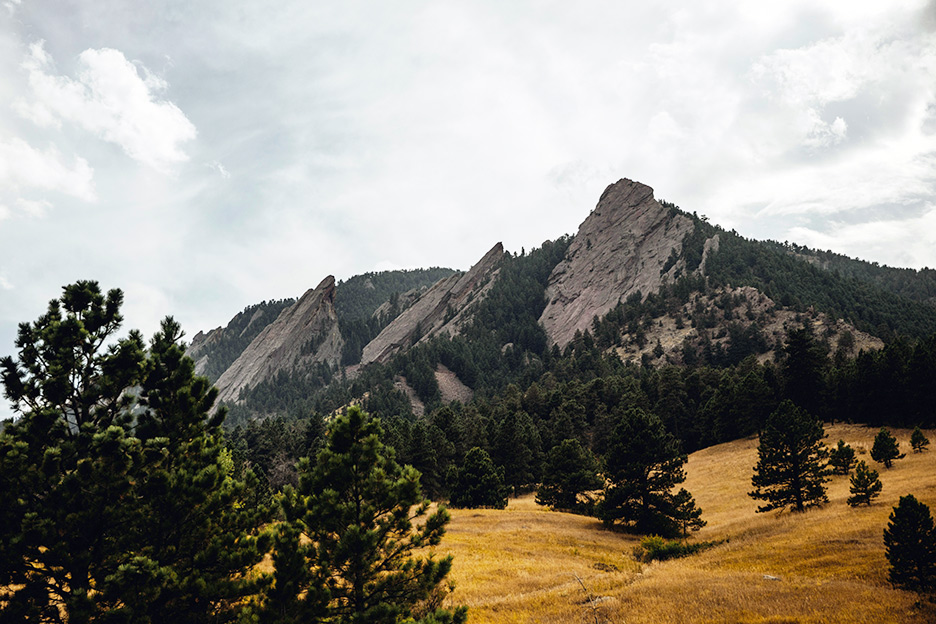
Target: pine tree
{"x":112,"y":442}
{"x":918,"y":440}
{"x":642,"y":465}
{"x":865,"y":485}
{"x":886,"y":448}
{"x":790,"y":469}
{"x":356,"y":507}
{"x":571,"y":470}
{"x":478,"y":482}
{"x":688,"y":515}
{"x":842,"y":458}
{"x":910,"y":545}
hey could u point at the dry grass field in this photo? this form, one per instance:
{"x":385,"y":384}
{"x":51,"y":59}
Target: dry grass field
{"x":528,"y":564}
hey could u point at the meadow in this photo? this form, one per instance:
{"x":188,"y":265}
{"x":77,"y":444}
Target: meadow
{"x":528,"y":564}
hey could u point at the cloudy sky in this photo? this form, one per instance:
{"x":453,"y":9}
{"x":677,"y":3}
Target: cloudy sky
{"x":203,"y":156}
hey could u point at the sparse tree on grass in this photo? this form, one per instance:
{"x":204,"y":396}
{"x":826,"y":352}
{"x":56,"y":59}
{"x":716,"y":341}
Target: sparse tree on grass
{"x":864,"y":486}
{"x":643,"y":464}
{"x":842,"y":458}
{"x":687,"y":514}
{"x":910,"y":545}
{"x":886,"y":448}
{"x":918,"y":440}
{"x":791,"y":466}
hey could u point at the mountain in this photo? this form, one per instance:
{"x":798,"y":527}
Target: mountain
{"x":622,"y":248}
{"x":642,"y":281}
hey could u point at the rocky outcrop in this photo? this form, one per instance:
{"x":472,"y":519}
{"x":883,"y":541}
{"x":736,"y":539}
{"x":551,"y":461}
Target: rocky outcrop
{"x":440,"y":310}
{"x":304,"y":333}
{"x":623,"y":246}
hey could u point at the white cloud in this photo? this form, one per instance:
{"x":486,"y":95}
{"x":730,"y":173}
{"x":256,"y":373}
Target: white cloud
{"x":22,"y":168}
{"x":897,"y":242}
{"x":109,"y":99}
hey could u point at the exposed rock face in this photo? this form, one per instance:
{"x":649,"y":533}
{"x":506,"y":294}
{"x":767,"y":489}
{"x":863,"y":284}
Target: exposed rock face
{"x":441,"y":309}
{"x":620,"y":248}
{"x":304,"y":333}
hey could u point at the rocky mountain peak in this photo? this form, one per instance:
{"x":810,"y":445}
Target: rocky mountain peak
{"x":441,"y":309}
{"x":304,"y":333}
{"x":622,"y":247}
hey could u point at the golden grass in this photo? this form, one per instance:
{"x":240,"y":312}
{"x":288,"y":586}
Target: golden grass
{"x":527,"y":564}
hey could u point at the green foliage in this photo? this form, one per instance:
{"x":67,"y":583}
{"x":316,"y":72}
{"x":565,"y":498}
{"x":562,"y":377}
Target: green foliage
{"x":842,"y":458}
{"x":356,"y":508}
{"x":642,"y":464}
{"x":804,"y":369}
{"x":119,"y":501}
{"x":918,"y":440}
{"x":656,"y":548}
{"x":571,"y":471}
{"x":865,"y":485}
{"x":686,"y":513}
{"x":910,"y":545}
{"x":886,"y":448}
{"x":478,"y":483}
{"x":790,"y":470}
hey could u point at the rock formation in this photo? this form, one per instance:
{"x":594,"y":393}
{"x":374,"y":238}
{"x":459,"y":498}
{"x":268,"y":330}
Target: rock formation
{"x":622,"y":247}
{"x":441,"y":309}
{"x":304,"y":333}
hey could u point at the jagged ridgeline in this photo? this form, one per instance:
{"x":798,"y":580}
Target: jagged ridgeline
{"x":642,"y":281}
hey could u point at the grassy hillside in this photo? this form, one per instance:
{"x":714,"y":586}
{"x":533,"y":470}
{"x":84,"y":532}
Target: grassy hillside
{"x":526,"y":564}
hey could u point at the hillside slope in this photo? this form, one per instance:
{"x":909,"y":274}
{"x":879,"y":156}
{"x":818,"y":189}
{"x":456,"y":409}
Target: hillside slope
{"x":527,"y":564}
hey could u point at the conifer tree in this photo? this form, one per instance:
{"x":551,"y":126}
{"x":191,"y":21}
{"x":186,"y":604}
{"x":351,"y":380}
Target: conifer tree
{"x":113,"y":441}
{"x":864,"y":486}
{"x":571,"y":470}
{"x":478,"y":482}
{"x":356,"y":507}
{"x":688,"y":515}
{"x":842,"y":458}
{"x":910,"y":545}
{"x":886,"y":448}
{"x":918,"y":440}
{"x":790,"y":470}
{"x":642,"y":465}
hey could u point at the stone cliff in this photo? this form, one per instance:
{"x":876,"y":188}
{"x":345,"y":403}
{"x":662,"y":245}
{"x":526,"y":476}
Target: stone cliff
{"x":622,"y":247}
{"x":304,"y":333}
{"x":440,"y":310}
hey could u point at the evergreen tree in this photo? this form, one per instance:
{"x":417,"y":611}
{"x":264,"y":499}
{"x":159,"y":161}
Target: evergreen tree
{"x":113,"y":440}
{"x":804,"y":369}
{"x":886,"y":448}
{"x":910,"y":545}
{"x":918,"y":440}
{"x":478,"y":483}
{"x":642,"y":465}
{"x":842,"y":458}
{"x":571,"y":470}
{"x":688,"y":515}
{"x":790,"y":469}
{"x":865,"y":485}
{"x":356,"y":508}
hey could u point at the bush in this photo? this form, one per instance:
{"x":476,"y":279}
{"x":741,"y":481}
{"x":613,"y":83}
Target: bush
{"x":655,"y":548}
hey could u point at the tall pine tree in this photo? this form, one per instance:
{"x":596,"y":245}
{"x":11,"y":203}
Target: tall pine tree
{"x":791,"y":465}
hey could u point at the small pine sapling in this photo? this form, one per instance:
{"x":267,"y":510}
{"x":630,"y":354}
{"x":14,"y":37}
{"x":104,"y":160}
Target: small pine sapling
{"x":865,"y":485}
{"x":918,"y":440}
{"x":842,"y":458}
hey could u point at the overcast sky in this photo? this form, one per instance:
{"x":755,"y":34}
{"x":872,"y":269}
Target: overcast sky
{"x":203,"y":156}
